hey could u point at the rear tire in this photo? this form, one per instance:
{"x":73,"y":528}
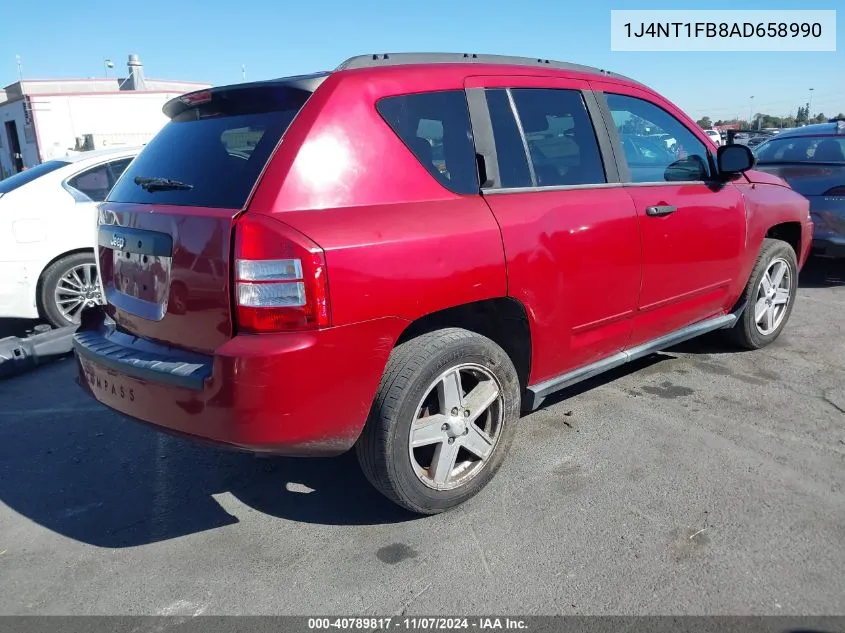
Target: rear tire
{"x":769,"y":296}
{"x":67,"y":286}
{"x":442,"y":421}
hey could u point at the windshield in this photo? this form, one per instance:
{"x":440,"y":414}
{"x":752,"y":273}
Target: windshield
{"x":20,"y":179}
{"x":802,"y":149}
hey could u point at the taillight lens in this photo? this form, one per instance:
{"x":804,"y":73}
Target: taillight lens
{"x":835,"y":191}
{"x":279,"y":278}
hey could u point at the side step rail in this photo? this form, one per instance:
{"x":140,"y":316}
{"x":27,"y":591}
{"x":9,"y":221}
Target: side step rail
{"x":536,"y":394}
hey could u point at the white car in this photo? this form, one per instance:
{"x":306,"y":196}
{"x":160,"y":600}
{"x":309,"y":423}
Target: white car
{"x":714,"y":136}
{"x":48,"y":218}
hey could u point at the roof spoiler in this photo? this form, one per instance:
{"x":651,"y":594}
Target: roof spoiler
{"x":306,"y":83}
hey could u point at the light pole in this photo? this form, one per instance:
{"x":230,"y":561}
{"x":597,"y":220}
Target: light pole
{"x":810,"y":105}
{"x":750,"y":111}
{"x":107,"y":63}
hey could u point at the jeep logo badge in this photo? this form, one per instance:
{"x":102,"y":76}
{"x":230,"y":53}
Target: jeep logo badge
{"x":117,"y":242}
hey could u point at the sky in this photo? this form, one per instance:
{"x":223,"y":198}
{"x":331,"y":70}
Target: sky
{"x":210,"y":41}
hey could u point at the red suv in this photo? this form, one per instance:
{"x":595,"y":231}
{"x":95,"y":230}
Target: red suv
{"x":405,"y":254}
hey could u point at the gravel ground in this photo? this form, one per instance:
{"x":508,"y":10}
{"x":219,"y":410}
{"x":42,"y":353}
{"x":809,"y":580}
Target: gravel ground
{"x":698,"y":481}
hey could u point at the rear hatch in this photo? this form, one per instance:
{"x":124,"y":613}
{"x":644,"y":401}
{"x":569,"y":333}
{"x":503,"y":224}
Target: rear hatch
{"x":165,"y":230}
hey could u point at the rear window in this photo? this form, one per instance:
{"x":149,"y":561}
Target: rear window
{"x":20,"y":179}
{"x":215,"y":150}
{"x":435,"y":127}
{"x":802,"y":149}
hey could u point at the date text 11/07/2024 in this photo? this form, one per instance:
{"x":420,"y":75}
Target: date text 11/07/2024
{"x":723,"y":29}
{"x":417,"y":624}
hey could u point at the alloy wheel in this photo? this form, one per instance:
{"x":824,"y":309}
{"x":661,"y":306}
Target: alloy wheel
{"x":456,"y":427}
{"x":773,"y":297}
{"x":78,"y":288}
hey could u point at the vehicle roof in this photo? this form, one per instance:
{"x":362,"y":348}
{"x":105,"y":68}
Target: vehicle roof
{"x":374,"y":61}
{"x":817,"y":129}
{"x":95,"y":154}
{"x":381,"y":60}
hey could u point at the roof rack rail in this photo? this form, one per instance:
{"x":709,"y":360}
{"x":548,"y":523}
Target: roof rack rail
{"x":376,"y":60}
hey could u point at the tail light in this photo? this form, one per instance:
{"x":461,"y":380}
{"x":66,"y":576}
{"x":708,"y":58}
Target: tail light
{"x":835,"y":191}
{"x":279,"y":278}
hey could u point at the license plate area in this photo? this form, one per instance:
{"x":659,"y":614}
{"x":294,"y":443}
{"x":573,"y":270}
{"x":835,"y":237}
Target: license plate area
{"x":138,"y":281}
{"x":144,"y":277}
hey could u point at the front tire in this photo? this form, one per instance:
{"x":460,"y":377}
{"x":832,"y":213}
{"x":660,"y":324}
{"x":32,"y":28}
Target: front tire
{"x":69,"y":285}
{"x":769,"y":296}
{"x":442,"y":421}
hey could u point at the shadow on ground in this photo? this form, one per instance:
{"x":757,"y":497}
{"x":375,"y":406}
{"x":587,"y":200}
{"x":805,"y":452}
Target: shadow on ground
{"x":88,"y":474}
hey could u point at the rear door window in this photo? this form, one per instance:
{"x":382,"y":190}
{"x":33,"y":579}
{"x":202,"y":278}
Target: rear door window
{"x":512,"y":158}
{"x":95,"y":183}
{"x":561,"y":139}
{"x":435,"y":127}
{"x":214,"y":149}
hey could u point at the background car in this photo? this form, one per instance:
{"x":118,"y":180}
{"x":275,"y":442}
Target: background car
{"x":714,"y":136}
{"x":48,"y":217}
{"x":812,"y":160}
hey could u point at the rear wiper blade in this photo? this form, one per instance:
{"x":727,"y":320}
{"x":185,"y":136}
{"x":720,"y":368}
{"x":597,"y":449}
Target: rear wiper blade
{"x":161,"y":184}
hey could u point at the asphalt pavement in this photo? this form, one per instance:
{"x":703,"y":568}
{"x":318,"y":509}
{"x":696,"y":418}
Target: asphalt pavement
{"x":698,"y":481}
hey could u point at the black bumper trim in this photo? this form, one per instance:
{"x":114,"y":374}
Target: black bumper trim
{"x":122,"y":353}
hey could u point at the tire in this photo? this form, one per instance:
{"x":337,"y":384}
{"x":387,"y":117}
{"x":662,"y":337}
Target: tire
{"x":747,"y":333}
{"x":52,"y":277}
{"x":413,"y":370}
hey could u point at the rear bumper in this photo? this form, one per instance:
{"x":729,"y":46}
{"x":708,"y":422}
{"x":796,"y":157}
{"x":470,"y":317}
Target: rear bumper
{"x":302,"y":393}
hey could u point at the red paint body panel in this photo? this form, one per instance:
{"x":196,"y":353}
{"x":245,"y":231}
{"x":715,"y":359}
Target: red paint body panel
{"x":690,"y":258}
{"x":268,"y":392}
{"x":574,"y":263}
{"x":593,"y":272}
{"x":764,"y":178}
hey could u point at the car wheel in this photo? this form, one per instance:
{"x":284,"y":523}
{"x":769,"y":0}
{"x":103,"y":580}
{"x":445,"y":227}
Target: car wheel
{"x":67,"y":287}
{"x":769,"y":296}
{"x":442,"y":421}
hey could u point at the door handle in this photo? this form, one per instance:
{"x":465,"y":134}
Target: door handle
{"x":659,"y":210}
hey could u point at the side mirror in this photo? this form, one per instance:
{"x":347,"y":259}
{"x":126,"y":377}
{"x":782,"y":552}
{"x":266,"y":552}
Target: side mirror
{"x":734,"y":159}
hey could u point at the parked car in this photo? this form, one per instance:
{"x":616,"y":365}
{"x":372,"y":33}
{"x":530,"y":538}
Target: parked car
{"x":714,"y":136}
{"x":812,"y":160}
{"x":48,"y":220}
{"x":412,"y":312}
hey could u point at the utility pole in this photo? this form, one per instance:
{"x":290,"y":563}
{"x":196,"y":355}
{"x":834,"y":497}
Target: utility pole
{"x":20,"y":67}
{"x":810,"y":105}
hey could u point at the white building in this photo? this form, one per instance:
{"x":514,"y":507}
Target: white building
{"x":45,"y":119}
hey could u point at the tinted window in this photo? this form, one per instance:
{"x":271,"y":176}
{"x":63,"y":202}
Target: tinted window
{"x":803,"y":149}
{"x":218,"y":147}
{"x":20,"y":179}
{"x":435,"y":127}
{"x":117,"y":167}
{"x":94,"y":183}
{"x":657,"y":147}
{"x":561,"y":139}
{"x":510,"y":151}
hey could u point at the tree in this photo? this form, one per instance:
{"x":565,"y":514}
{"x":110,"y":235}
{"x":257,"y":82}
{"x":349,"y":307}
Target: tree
{"x":705,"y":123}
{"x":820,"y":118}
